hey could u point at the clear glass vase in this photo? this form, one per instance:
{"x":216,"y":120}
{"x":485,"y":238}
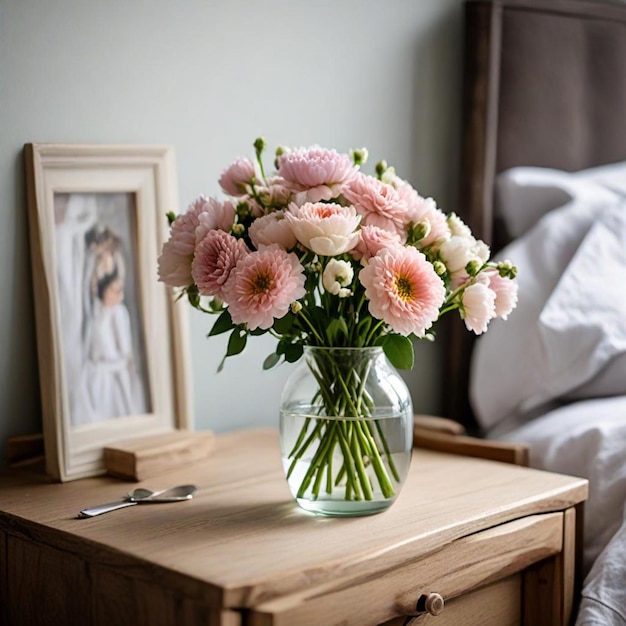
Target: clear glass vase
{"x":346,"y":431}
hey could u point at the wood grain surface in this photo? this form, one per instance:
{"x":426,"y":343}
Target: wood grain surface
{"x":242,"y":540}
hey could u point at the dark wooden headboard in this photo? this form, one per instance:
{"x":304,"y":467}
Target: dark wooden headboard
{"x":544,"y":85}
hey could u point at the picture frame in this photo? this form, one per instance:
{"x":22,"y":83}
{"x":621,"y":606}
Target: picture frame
{"x":112,"y":345}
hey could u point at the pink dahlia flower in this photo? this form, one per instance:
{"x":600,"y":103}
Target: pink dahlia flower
{"x":378,"y":203}
{"x":326,"y":228}
{"x":478,"y":307}
{"x":272,"y":228}
{"x":263,"y":286}
{"x":506,"y":293}
{"x":174,"y":263}
{"x":403,"y":290}
{"x":216,"y":256}
{"x":236,"y":178}
{"x":372,"y":241}
{"x":315,"y":173}
{"x":216,"y":215}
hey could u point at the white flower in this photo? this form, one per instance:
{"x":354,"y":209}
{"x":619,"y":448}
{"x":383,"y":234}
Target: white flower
{"x":457,"y":252}
{"x":327,"y":229}
{"x":458,"y":227}
{"x":481,"y":249}
{"x":479,"y":307}
{"x":336,"y":275}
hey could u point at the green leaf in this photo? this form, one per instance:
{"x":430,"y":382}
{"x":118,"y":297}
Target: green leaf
{"x":283,"y":325}
{"x":236,"y":342}
{"x":293,"y":352}
{"x":222,"y":324}
{"x":193,"y":296}
{"x":171,"y":217}
{"x":399,"y":351}
{"x":362,"y":329}
{"x":336,"y":327}
{"x":272,"y":360}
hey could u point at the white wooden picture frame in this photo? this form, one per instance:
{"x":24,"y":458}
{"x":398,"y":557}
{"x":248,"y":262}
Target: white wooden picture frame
{"x":112,"y":346}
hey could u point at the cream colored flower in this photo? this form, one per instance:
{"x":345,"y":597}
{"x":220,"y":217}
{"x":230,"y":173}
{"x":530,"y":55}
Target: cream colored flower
{"x":336,"y":276}
{"x":325,"y":228}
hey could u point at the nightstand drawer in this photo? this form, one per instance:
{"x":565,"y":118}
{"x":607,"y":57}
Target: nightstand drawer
{"x":464,"y":565}
{"x":498,"y":604}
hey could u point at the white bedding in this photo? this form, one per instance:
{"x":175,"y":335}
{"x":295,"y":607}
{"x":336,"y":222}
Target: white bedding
{"x":553,"y":376}
{"x":588,"y":438}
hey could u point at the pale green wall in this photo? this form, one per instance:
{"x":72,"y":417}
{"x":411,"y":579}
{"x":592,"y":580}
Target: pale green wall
{"x":208,"y":76}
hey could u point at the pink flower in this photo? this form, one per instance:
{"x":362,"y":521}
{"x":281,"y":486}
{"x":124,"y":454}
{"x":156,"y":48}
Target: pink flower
{"x":216,"y":256}
{"x":272,"y":228}
{"x":478,"y":307}
{"x":403,"y":289}
{"x":506,"y":293}
{"x":425,"y":210}
{"x":373,"y":240}
{"x":174,"y":263}
{"x":317,"y":173}
{"x":216,"y":215}
{"x":235,"y":179}
{"x":174,"y":269}
{"x":274,"y":194}
{"x":326,"y":228}
{"x":263,"y":286}
{"x":378,"y":203}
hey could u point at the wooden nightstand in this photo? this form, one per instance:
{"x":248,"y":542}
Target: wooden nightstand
{"x":497,"y":542}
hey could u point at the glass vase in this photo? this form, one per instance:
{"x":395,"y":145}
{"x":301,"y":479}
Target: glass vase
{"x":346,"y":431}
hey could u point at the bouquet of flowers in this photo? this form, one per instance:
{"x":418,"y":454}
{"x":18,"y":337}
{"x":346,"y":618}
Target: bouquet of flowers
{"x":319,"y":253}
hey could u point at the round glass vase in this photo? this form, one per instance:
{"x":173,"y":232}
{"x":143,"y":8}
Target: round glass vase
{"x":346,"y":431}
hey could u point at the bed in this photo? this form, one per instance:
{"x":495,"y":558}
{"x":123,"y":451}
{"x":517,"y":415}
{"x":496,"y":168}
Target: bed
{"x":543,"y":181}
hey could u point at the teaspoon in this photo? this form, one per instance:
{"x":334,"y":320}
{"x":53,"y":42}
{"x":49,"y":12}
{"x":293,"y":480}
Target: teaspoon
{"x":139,"y":496}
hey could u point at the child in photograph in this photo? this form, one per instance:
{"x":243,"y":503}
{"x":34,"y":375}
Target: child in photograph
{"x":110,"y":373}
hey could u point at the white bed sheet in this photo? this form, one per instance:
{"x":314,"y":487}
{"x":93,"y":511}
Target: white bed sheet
{"x":588,"y":439}
{"x":554,"y":375}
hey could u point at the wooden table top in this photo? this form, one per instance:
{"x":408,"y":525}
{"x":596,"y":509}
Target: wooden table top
{"x":243,"y":539}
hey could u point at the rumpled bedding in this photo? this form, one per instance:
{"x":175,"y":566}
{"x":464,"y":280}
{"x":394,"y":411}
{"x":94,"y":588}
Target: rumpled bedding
{"x":553,"y":376}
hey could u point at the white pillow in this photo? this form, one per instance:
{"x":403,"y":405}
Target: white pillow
{"x":524,"y":194}
{"x":585,"y":439}
{"x":569,"y":329}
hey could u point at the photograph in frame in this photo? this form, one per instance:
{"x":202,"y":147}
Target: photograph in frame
{"x":111,"y":343}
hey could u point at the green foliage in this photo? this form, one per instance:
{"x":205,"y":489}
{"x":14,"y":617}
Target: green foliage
{"x":399,"y":351}
{"x":222,"y":324}
{"x":271,"y":361}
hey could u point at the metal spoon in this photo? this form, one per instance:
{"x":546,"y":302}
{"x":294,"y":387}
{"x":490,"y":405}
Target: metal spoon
{"x":141,"y":496}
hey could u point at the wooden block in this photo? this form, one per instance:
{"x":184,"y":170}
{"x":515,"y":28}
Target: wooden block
{"x":25,"y":450}
{"x":142,"y":457}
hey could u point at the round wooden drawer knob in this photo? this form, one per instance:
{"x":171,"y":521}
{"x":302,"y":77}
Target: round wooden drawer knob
{"x":432,"y":603}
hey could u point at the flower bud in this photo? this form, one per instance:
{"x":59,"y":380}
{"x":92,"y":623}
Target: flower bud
{"x":421,"y":230}
{"x":359,"y":156}
{"x":473,"y":267}
{"x":243,"y":210}
{"x":440,"y":268}
{"x":296,"y":307}
{"x":238,"y":230}
{"x":259,"y":144}
{"x":506,"y":269}
{"x":279,"y":152}
{"x":171,"y":216}
{"x":216,"y":304}
{"x":381,"y":168}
